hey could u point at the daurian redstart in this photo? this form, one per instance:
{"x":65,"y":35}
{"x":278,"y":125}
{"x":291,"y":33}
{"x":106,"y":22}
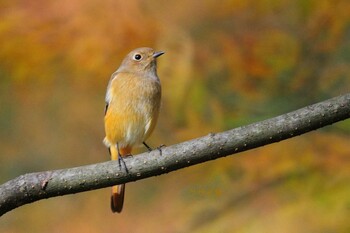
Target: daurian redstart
{"x":132,"y":107}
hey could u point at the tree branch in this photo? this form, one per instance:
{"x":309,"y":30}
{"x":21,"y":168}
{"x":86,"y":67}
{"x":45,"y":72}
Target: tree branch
{"x":35,"y":186}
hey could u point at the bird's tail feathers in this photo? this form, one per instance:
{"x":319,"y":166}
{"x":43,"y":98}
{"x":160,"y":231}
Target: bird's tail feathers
{"x":117,"y":197}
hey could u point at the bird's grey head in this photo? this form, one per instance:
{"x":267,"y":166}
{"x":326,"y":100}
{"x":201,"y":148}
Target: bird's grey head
{"x":140,"y":60}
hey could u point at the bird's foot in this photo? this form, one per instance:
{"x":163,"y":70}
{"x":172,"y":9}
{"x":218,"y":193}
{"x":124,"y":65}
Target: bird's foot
{"x":120,"y":161}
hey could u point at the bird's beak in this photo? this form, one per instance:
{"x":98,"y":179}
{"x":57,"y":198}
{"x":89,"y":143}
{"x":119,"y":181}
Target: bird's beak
{"x":157,"y":54}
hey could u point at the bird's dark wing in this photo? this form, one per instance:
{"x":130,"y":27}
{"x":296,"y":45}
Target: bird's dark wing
{"x":106,"y":108}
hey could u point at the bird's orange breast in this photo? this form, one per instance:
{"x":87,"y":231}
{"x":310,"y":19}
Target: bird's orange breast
{"x":133,"y":109}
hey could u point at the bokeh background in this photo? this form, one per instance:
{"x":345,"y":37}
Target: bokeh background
{"x":227,"y":63}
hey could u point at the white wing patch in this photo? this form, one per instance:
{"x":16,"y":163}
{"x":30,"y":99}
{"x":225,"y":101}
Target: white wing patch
{"x":108,"y":97}
{"x":147,"y":126}
{"x":108,"y":94}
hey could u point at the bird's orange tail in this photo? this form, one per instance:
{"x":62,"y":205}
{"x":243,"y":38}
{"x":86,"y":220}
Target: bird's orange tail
{"x":117,"y":198}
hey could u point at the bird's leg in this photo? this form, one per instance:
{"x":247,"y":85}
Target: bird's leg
{"x":147,"y":146}
{"x":159,"y":148}
{"x":121,"y":160}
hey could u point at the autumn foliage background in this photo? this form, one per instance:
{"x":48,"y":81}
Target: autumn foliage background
{"x":227,"y":63}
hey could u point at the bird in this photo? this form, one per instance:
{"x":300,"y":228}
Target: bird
{"x":133,"y":99}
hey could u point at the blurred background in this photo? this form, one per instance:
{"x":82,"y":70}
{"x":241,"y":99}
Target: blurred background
{"x":227,"y":63}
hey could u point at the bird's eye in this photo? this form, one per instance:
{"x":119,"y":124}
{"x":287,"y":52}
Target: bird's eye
{"x":137,"y":57}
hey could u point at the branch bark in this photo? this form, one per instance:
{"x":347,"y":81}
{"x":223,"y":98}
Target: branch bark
{"x":36,"y":186}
